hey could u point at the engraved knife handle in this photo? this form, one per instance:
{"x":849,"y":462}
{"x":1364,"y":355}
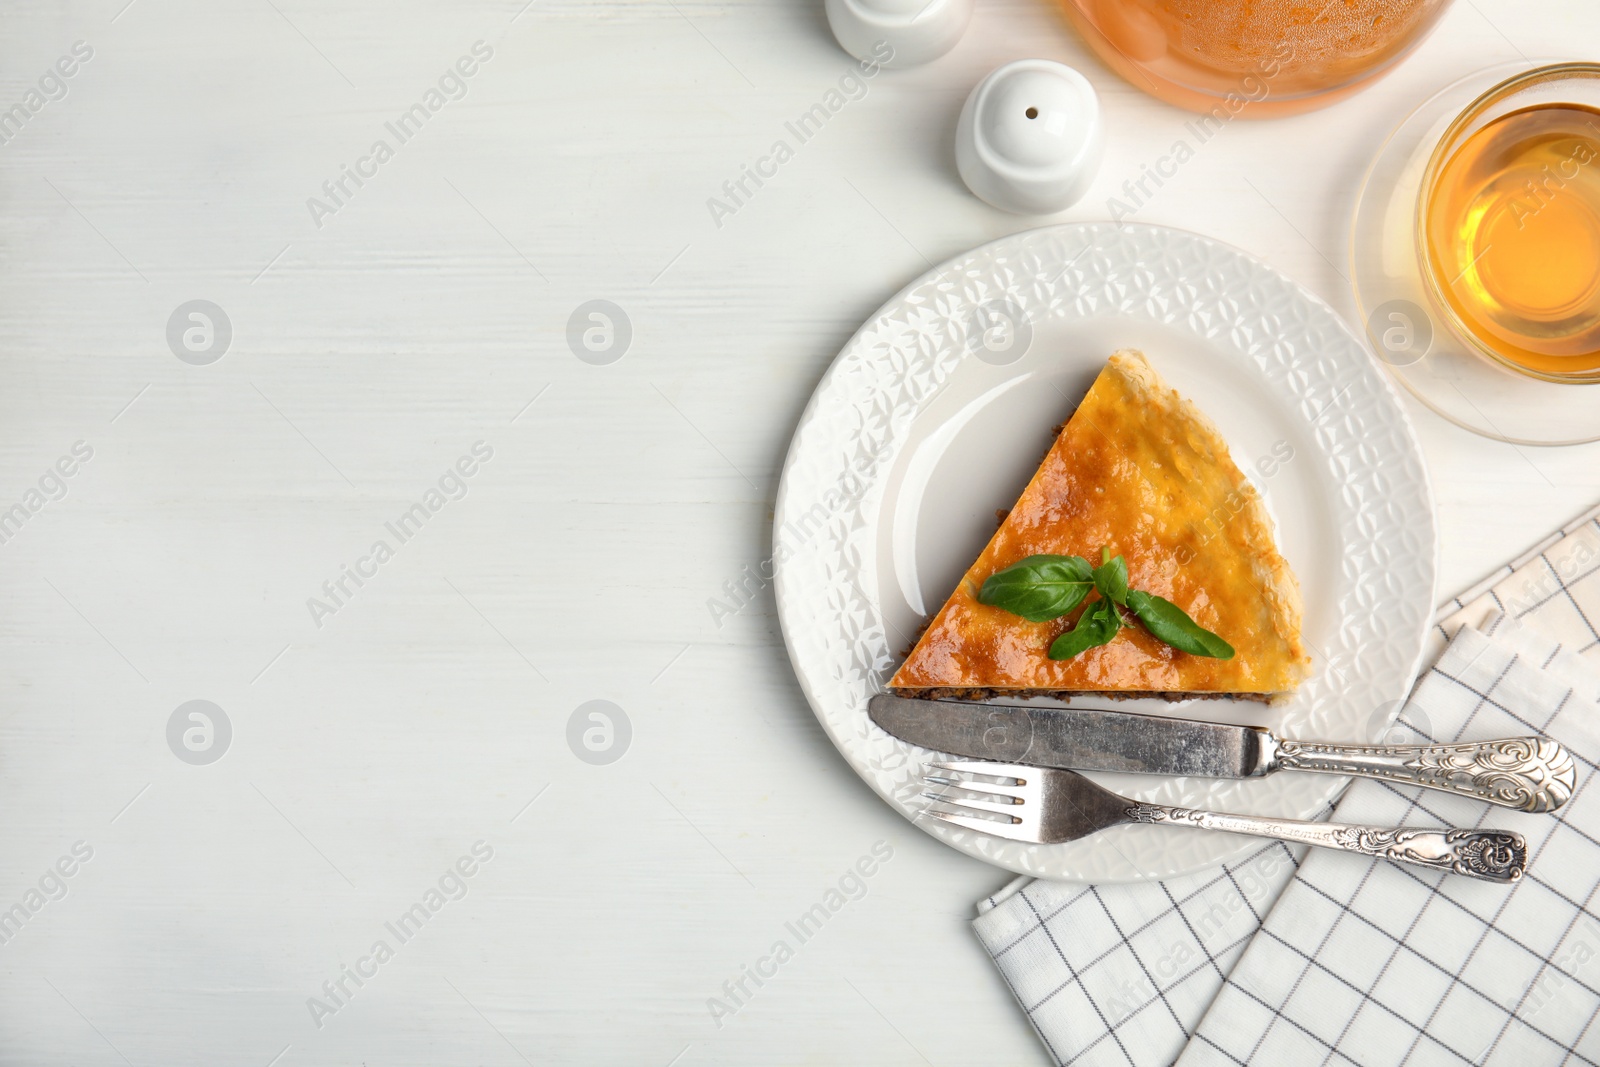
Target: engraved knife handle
{"x":1488,"y":855}
{"x":1528,"y":773}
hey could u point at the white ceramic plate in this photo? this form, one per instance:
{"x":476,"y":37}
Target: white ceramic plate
{"x":938,"y":410}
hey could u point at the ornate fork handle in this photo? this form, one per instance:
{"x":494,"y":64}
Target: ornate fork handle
{"x":1528,"y":773}
{"x":1488,"y":855}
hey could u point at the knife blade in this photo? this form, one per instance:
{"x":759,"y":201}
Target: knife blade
{"x":1083,"y":739}
{"x":1527,"y":773}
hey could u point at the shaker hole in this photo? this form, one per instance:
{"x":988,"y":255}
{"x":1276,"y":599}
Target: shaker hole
{"x":1032,"y":112}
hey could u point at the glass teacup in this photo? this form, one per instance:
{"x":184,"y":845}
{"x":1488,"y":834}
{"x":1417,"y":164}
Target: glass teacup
{"x":1508,"y":223}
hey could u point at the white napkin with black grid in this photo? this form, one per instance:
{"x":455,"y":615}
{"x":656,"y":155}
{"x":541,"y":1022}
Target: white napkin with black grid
{"x":1124,"y":974}
{"x":1378,"y":963}
{"x":1121,"y":974}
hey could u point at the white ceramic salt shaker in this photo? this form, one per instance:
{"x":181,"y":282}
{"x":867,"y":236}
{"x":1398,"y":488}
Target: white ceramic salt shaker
{"x":898,"y":33}
{"x":1030,"y":138}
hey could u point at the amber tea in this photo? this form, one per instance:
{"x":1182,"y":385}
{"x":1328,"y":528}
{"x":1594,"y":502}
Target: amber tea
{"x":1510,"y":233}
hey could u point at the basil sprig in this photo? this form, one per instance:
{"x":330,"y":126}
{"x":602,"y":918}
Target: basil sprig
{"x":1041,"y":588}
{"x":1171,"y":625}
{"x":1111,"y":578}
{"x":1097,"y":625}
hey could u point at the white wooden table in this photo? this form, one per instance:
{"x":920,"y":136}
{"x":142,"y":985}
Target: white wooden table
{"x":374,"y":741}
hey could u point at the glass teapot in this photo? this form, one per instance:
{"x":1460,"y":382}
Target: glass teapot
{"x":1255,"y":58}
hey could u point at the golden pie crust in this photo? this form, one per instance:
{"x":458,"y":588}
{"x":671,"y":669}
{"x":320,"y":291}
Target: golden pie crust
{"x":1141,"y":470}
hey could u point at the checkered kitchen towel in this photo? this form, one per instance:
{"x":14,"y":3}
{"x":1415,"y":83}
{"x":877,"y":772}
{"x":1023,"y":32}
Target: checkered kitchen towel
{"x":1380,"y":964}
{"x":1123,"y":974}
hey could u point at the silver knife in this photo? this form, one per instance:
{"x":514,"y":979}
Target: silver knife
{"x":1528,"y":773}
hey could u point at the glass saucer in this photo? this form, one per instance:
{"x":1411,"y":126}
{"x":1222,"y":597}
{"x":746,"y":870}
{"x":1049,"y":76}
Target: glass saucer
{"x":1408,"y":333}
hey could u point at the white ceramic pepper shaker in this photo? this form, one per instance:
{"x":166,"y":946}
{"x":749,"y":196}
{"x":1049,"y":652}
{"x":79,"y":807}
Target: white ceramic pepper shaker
{"x":914,"y":32}
{"x":1029,"y":139}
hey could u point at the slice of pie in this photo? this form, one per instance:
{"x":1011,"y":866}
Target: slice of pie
{"x":1141,"y":471}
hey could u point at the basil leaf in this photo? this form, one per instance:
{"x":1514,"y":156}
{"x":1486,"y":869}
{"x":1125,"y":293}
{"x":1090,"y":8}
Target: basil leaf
{"x":1039,"y":588}
{"x":1171,"y":625}
{"x":1111,"y":578}
{"x":1097,"y":625}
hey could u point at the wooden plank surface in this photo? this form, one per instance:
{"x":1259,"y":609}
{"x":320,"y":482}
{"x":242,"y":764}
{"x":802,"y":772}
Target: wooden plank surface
{"x":373,"y":744}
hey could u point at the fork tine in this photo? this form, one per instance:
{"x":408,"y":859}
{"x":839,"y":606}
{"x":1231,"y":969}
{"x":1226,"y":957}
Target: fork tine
{"x":1013,"y":810}
{"x":994,"y":770}
{"x":982,"y":826}
{"x":976,"y":787}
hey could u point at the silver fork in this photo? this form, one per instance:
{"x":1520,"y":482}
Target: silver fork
{"x":1045,"y":806}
